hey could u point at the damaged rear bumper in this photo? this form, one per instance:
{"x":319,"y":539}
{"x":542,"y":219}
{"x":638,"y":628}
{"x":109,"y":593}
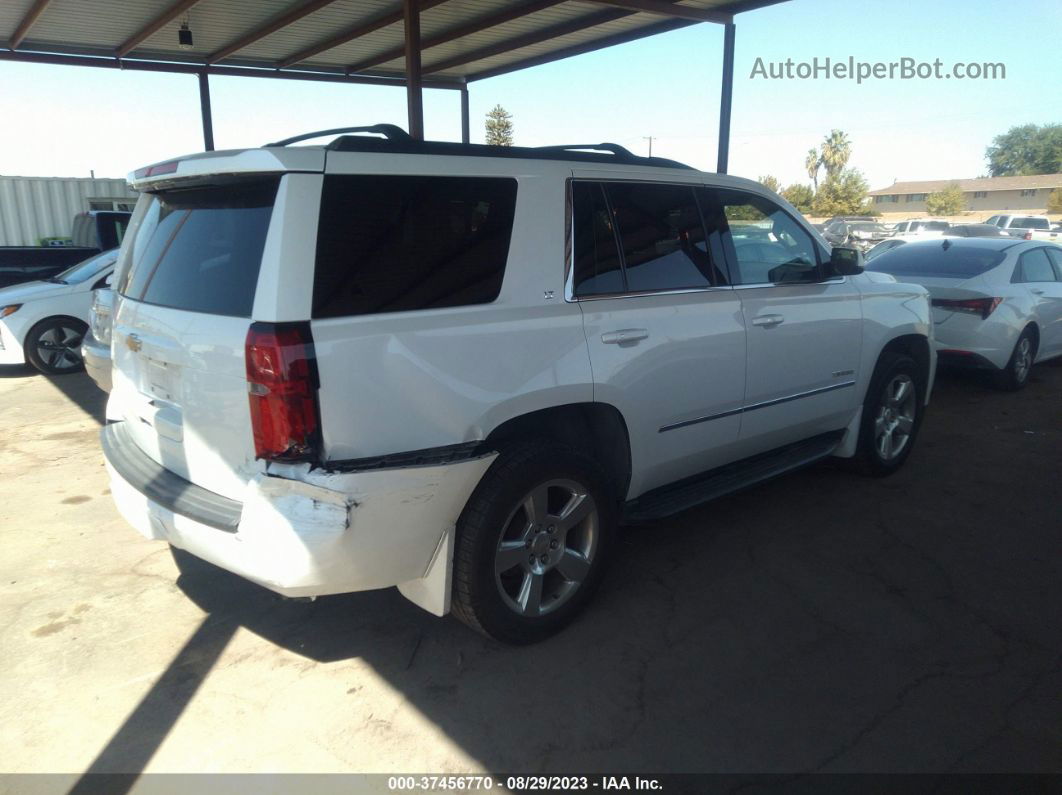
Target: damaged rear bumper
{"x":306,"y":533}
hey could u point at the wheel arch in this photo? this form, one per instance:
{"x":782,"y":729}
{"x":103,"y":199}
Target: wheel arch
{"x":48,"y":319}
{"x":917,"y":347}
{"x":598,"y":429}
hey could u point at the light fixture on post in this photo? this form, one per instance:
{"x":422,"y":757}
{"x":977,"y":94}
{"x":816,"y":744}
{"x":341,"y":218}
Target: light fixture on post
{"x":184,"y":36}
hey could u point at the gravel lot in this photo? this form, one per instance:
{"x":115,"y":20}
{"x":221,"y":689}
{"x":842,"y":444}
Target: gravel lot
{"x":822,"y":622}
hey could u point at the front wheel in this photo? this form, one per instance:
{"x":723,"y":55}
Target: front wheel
{"x":53,"y":346}
{"x":892,"y":415}
{"x":532,"y":542}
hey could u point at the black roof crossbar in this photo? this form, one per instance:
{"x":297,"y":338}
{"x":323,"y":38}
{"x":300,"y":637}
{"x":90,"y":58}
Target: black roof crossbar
{"x":395,"y":140}
{"x":390,"y":131}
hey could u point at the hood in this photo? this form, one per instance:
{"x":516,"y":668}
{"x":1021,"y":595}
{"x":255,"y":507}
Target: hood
{"x":28,"y":291}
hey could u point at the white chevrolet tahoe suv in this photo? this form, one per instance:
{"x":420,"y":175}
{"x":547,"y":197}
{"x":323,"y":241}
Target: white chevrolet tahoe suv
{"x":457,"y":369}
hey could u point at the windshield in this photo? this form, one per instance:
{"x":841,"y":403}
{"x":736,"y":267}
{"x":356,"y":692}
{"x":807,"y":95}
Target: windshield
{"x":947,"y":260}
{"x":867,"y":228}
{"x":930,"y":226}
{"x":88,"y":268}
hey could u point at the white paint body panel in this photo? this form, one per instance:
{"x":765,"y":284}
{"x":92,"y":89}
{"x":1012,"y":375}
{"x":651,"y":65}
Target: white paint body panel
{"x":397,"y":382}
{"x":40,"y":301}
{"x":312,"y":534}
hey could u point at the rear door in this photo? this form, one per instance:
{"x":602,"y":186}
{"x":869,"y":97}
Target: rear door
{"x":1040,"y":271}
{"x":187,"y":284}
{"x":664,"y":329}
{"x":804,"y":331}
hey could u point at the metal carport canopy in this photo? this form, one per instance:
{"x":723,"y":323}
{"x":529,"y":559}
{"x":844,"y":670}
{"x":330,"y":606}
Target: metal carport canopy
{"x":443,"y":44}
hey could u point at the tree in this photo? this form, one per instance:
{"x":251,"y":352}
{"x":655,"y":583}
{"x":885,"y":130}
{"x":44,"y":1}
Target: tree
{"x":844,"y":193}
{"x":836,"y":150}
{"x":499,"y":127}
{"x":812,"y":163}
{"x":800,"y":196}
{"x":771,"y":183}
{"x":1027,"y":149}
{"x":948,"y":201}
{"x":1054,"y":201}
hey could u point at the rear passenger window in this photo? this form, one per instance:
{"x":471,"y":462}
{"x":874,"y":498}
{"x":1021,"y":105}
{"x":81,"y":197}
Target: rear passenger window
{"x":1036,"y":267}
{"x":662,"y":236}
{"x":200,"y":249}
{"x":1055,"y":255}
{"x":640,"y":237}
{"x":397,"y":244}
{"x":765,"y":244}
{"x":596,"y":258}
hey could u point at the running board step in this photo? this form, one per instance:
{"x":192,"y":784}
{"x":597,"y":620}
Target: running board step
{"x":677,"y":497}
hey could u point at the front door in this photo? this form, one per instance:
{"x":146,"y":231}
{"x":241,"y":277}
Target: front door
{"x":804,"y":330}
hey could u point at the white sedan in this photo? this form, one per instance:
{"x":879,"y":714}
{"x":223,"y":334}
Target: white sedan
{"x":997,"y":302}
{"x":44,"y":322}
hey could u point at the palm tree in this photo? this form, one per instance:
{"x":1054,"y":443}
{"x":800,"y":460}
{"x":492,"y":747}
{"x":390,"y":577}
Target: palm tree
{"x":812,"y":163}
{"x":836,"y":150}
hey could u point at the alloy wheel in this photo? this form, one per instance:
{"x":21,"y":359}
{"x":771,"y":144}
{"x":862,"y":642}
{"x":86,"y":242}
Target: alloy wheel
{"x":895,"y":419}
{"x":546,"y":547}
{"x":60,"y":347}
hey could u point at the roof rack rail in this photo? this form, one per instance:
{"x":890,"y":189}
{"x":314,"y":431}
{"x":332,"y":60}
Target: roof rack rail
{"x":403,"y":144}
{"x":617,"y":150}
{"x":390,"y":131}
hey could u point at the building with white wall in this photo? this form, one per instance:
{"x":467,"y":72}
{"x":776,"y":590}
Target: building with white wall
{"x":35,"y":208}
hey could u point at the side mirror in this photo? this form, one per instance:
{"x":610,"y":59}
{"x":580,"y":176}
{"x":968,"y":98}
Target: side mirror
{"x":845,"y":261}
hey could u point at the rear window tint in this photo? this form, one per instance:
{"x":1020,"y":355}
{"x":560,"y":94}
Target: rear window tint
{"x":397,"y":244}
{"x":947,"y":260}
{"x":200,"y":248}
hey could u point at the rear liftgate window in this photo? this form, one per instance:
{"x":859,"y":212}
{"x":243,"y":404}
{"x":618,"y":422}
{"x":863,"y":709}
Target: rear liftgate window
{"x":397,"y":244}
{"x":200,"y":248}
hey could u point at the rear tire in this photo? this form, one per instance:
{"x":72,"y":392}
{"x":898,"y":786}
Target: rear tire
{"x":532,"y":542}
{"x":53,"y":346}
{"x":1016,"y":374}
{"x":892,"y":415}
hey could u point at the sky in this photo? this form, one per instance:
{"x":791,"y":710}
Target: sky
{"x":63,"y":121}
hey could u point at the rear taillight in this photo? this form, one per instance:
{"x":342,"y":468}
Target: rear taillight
{"x":282,"y":385}
{"x":973,"y":306}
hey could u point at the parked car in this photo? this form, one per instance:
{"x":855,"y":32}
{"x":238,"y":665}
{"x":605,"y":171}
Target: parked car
{"x":43,"y":322}
{"x":975,"y":230}
{"x":858,"y":234}
{"x":997,"y":303}
{"x":455,"y":368}
{"x":1027,"y":227}
{"x":93,"y":232}
{"x":920,"y":226}
{"x":96,"y":344}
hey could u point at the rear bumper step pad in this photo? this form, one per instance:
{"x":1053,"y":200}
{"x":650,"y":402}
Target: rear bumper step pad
{"x":164,"y":487}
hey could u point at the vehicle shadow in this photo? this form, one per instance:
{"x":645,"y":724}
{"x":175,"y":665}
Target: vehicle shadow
{"x":82,"y":391}
{"x":822,"y":621}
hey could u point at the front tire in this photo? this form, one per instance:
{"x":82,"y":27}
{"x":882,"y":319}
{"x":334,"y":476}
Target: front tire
{"x":1016,"y":374}
{"x":53,"y":346}
{"x":892,"y":415}
{"x":532,"y":543}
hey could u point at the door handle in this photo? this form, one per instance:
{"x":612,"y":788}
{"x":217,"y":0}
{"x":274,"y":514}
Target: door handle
{"x":625,"y":335}
{"x":1036,"y":291}
{"x":768,"y":321}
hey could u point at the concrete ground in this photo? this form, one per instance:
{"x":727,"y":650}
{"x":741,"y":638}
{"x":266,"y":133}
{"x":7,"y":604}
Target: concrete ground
{"x":822,"y":622}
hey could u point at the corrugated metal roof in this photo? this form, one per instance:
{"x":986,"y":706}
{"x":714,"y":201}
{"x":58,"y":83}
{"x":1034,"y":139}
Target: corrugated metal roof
{"x":101,"y":27}
{"x":979,"y":184}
